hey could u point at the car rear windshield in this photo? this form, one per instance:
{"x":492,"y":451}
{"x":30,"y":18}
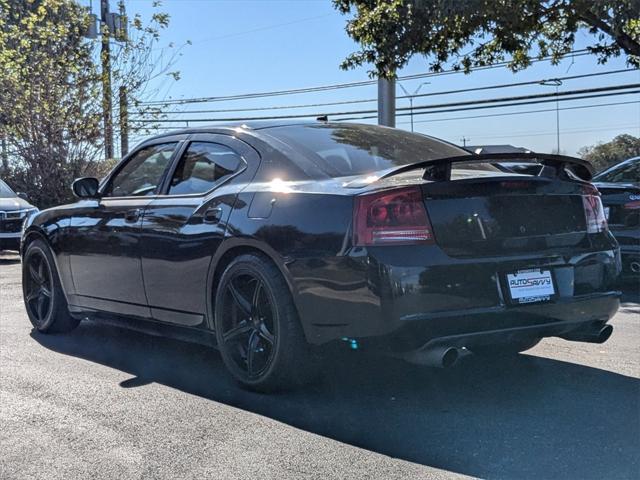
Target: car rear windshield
{"x":5,"y":191}
{"x":344,"y":150}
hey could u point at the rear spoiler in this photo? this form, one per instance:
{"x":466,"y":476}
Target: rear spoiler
{"x":554,"y":166}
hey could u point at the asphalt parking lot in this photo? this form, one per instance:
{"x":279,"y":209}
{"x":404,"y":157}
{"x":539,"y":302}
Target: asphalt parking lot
{"x":103,"y":402}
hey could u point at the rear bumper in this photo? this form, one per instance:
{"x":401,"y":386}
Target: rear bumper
{"x":384,"y":299}
{"x":562,"y":319}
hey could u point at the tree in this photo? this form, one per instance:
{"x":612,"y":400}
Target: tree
{"x":603,"y":155}
{"x":472,"y":33}
{"x":48,"y":81}
{"x":50,"y":84}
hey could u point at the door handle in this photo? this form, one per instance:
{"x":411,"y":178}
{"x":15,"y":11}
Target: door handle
{"x":132,"y":216}
{"x":212,"y":215}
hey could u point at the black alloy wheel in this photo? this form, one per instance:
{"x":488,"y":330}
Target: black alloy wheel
{"x":248,"y":326}
{"x":38,"y":288}
{"x":44,"y":299}
{"x":257,"y":327}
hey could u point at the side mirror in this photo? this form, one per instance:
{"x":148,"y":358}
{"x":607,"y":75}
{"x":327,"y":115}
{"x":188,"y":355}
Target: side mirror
{"x":86,"y":187}
{"x":23,"y":196}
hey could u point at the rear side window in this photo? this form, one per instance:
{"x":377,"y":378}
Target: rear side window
{"x":344,"y":150}
{"x":202,"y":166}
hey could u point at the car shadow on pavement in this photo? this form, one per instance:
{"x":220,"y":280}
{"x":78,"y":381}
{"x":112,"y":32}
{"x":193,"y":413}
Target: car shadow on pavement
{"x":531,"y":417}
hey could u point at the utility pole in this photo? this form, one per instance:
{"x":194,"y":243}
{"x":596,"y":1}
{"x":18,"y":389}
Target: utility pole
{"x":386,"y":102}
{"x":3,"y":146}
{"x":105,"y":57}
{"x":124,"y":121}
{"x":555,"y":82}
{"x":5,"y":156}
{"x":464,"y":141}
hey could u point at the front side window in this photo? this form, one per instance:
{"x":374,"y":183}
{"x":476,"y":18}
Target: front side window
{"x":202,"y":166}
{"x":143,"y":173}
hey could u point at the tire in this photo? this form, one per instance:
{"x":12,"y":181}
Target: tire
{"x":257,"y":327}
{"x":506,"y":349}
{"x":43,"y":297}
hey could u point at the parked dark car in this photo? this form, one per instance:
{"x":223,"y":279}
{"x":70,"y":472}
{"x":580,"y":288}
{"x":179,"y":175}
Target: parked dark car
{"x":620,"y":189}
{"x":270,"y":240}
{"x":14,"y":208}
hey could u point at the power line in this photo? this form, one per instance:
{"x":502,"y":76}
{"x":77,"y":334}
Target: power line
{"x":514,"y":104}
{"x":417,"y":109}
{"x":260,"y":29}
{"x":525,"y":112}
{"x":371,"y":100}
{"x":502,"y":114}
{"x":568,"y":131}
{"x":320,"y":88}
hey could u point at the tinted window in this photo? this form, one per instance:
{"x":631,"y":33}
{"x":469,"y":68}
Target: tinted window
{"x":341,"y":150}
{"x":5,"y":191}
{"x":627,"y":173}
{"x":202,"y":166}
{"x":143,"y":173}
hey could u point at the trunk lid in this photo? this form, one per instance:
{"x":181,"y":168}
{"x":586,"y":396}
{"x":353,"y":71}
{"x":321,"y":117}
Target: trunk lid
{"x":474,"y":216}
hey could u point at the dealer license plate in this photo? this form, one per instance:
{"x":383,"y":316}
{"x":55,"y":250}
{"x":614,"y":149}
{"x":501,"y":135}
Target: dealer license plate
{"x":528,"y":286}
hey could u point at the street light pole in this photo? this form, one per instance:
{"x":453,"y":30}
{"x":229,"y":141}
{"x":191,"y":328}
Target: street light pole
{"x":410,"y":97}
{"x":411,"y":110}
{"x":555,"y":82}
{"x":387,"y":102}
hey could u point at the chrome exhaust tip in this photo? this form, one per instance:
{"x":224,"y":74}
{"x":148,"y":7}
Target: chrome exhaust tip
{"x":439,"y":357}
{"x":595,"y":335}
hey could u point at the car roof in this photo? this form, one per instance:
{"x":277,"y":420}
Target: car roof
{"x":226,"y":127}
{"x":258,"y":125}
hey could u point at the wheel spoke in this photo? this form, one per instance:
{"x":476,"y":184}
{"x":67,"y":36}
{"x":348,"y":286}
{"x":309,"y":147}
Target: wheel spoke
{"x":242,"y":303}
{"x":255,"y":301}
{"x":44,"y":290}
{"x":40,"y":307}
{"x":32,"y":295}
{"x":41,"y":272}
{"x":236,"y":332}
{"x":35,"y":274}
{"x":265,"y":334}
{"x":251,"y":351}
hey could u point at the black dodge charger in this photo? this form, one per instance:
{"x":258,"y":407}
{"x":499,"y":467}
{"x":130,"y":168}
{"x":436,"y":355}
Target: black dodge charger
{"x":271,"y":240}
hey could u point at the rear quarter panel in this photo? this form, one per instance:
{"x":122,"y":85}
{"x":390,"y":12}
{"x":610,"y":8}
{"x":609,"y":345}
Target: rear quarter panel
{"x":307,"y":235}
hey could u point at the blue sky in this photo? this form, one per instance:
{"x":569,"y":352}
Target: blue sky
{"x":244,"y":46}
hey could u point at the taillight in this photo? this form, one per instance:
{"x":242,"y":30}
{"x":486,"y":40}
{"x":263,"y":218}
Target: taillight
{"x":594,"y":213}
{"x":392,"y":217}
{"x":633,"y":205}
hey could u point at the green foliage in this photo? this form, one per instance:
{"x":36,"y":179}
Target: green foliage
{"x":51,"y":85}
{"x":603,"y":155}
{"x":48,"y":81}
{"x":471,"y":33}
